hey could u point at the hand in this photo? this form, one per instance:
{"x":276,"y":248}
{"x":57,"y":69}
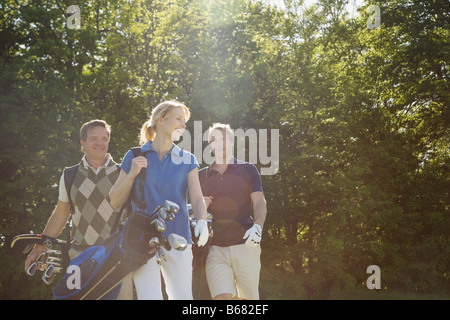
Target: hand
{"x":136,"y":165}
{"x":208,"y":200}
{"x":253,"y":236}
{"x":32,"y":257}
{"x":201,"y":231}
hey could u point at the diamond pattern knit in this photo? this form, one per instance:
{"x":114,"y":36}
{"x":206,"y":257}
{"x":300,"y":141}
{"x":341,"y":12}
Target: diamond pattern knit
{"x":93,"y":217}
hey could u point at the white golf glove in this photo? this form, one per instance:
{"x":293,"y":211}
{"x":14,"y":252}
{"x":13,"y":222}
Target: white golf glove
{"x":201,"y":231}
{"x":253,"y":236}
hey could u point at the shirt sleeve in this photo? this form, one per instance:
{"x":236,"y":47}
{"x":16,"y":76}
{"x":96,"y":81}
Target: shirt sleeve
{"x":126,"y":163}
{"x":62,"y":190}
{"x":193,"y":163}
{"x":255,"y":178}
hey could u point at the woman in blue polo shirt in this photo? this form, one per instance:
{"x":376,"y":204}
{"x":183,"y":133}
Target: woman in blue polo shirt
{"x":171,"y":173}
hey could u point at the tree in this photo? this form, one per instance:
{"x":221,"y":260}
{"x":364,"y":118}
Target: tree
{"x":363,"y":118}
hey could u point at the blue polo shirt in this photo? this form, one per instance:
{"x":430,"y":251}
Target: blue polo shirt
{"x":166,"y":180}
{"x":231,"y":207}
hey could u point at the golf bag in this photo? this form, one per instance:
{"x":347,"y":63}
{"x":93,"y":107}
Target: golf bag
{"x":98,"y":271}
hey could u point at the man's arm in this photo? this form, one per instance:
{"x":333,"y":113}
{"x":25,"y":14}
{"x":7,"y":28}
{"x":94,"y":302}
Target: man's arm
{"x":254,"y":234}
{"x":259,"y":207}
{"x":55,"y":225}
{"x":57,"y":221}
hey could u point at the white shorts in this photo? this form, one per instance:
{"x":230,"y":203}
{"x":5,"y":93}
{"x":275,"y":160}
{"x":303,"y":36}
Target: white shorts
{"x":234,"y":270}
{"x":177,"y":273}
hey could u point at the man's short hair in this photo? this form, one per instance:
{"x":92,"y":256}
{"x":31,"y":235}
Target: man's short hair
{"x":225,"y":128}
{"x":92,"y":124}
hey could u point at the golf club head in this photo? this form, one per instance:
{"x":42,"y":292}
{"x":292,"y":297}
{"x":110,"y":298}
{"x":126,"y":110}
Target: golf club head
{"x":190,"y":211}
{"x":42,"y":257}
{"x":168,"y":210}
{"x":48,"y":280}
{"x":49,"y":271}
{"x":160,"y":255}
{"x":49,"y":274}
{"x":159,"y":224}
{"x":154,"y":242}
{"x":32,"y":269}
{"x":211,"y":231}
{"x":55,"y":261}
{"x":177,"y":242}
{"x":48,"y":244}
{"x":56,"y":253}
{"x":40,"y":263}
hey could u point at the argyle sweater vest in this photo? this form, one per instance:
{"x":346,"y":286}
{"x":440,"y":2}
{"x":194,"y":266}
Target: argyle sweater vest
{"x":93,"y":215}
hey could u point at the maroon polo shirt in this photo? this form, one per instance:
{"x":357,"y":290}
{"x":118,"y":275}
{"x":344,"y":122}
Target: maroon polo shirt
{"x":231,"y":206}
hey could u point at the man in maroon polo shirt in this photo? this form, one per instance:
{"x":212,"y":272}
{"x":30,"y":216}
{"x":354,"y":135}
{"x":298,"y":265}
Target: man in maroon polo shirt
{"x":232,"y":190}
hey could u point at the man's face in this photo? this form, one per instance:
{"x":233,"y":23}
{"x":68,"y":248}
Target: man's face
{"x":221,"y":144}
{"x":96,"y":144}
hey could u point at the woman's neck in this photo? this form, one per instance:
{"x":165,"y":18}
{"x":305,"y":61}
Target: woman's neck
{"x":162,"y":145}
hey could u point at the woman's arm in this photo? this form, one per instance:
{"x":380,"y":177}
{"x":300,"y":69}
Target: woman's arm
{"x":121,"y":190}
{"x":196,"y":195}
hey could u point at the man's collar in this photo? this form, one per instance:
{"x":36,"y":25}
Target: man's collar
{"x":232,"y":164}
{"x":87,"y":165}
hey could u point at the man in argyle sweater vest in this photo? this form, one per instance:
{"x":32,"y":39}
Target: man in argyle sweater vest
{"x":93,"y":216}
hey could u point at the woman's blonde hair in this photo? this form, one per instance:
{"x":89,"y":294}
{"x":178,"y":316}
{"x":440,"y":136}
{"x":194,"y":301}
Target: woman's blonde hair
{"x":162,"y":110}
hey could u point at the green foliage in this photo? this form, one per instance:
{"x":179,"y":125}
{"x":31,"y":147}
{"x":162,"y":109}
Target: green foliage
{"x":363,"y":116}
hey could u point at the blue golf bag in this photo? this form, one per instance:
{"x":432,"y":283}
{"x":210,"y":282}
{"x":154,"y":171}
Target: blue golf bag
{"x":98,"y":271}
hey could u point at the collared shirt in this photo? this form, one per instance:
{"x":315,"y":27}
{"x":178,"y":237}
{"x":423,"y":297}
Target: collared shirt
{"x":166,"y":179}
{"x":96,"y":171}
{"x":62,"y":186}
{"x":231,"y":206}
